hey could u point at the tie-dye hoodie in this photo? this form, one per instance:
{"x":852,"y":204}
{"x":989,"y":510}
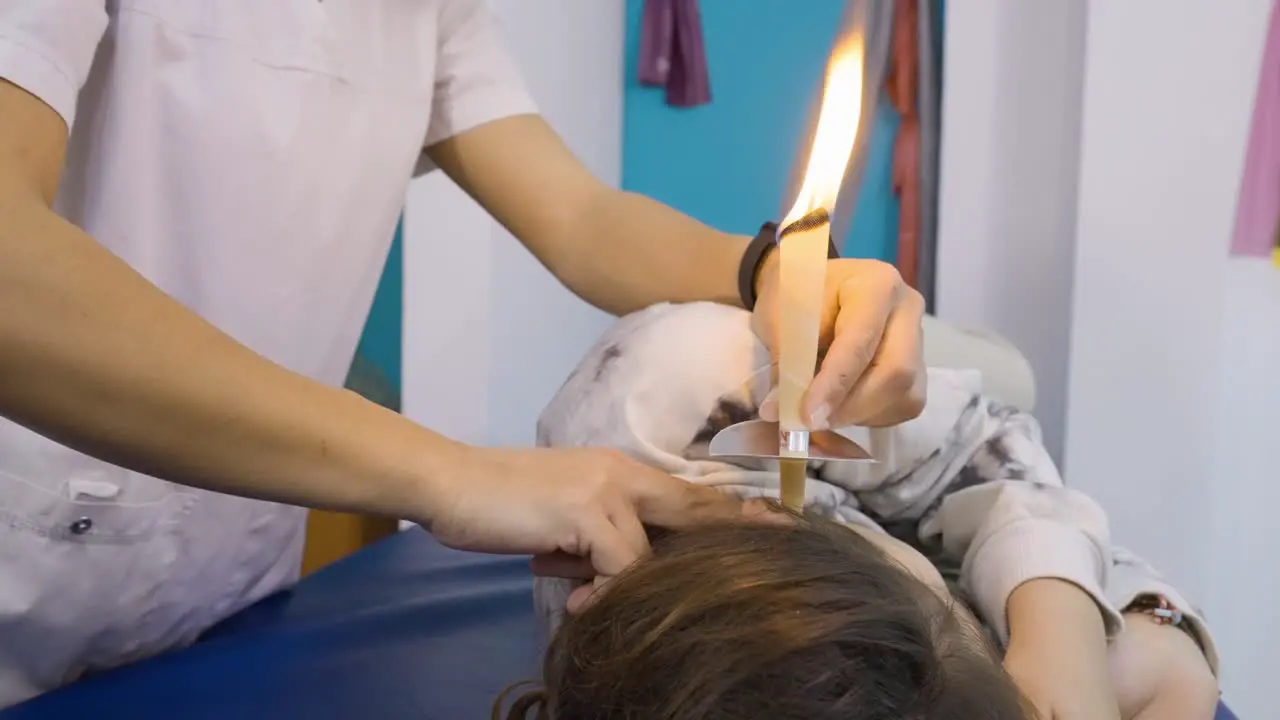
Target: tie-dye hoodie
{"x":968,"y":483}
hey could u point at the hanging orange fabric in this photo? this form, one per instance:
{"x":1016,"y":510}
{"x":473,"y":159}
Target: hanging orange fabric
{"x":901,"y":86}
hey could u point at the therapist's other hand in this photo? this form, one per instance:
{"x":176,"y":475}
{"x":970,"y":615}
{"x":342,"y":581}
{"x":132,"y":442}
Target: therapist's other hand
{"x":873,"y":373}
{"x":581,"y":511}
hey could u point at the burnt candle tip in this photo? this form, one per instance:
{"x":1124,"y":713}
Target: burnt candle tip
{"x":812,"y":220}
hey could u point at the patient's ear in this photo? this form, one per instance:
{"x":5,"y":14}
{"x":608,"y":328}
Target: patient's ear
{"x":729,"y":410}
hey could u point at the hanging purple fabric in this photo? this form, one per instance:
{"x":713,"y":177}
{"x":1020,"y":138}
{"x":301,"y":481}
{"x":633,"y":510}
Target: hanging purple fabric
{"x":672,"y":52}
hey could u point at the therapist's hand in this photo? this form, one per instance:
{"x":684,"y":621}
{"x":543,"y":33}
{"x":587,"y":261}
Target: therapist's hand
{"x":873,"y":373}
{"x":581,"y":511}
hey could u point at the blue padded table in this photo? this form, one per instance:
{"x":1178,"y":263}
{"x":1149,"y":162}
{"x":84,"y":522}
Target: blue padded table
{"x":404,"y":629}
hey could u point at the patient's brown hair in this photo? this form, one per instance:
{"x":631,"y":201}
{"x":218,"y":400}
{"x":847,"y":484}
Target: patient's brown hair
{"x":757,"y":621}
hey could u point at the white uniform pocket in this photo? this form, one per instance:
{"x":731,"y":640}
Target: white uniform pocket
{"x":89,"y":507}
{"x":78,"y":541}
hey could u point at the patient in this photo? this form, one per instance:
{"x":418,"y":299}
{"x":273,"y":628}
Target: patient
{"x":964,"y":509}
{"x":761,"y":621}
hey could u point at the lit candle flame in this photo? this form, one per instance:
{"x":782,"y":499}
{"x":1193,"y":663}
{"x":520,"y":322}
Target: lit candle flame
{"x":836,"y":130}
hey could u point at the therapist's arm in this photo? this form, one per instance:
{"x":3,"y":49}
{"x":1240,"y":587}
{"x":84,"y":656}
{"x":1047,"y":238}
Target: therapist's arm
{"x":617,"y":250}
{"x":96,"y":357}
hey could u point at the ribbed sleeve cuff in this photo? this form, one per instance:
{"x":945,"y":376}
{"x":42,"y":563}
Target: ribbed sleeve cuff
{"x":1029,"y":550}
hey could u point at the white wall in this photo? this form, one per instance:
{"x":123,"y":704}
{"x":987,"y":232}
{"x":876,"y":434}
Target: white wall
{"x":1245,"y":493}
{"x":489,"y":334}
{"x":1090,"y":166}
{"x":1010,"y":141}
{"x":1173,"y":395}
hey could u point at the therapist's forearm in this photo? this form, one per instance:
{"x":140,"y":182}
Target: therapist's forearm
{"x":640,"y":252}
{"x":99,"y":359}
{"x":617,"y":250}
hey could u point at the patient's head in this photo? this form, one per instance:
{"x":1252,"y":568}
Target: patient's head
{"x":744,"y":621}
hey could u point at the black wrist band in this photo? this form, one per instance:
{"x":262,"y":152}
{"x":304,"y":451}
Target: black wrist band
{"x":754,"y":256}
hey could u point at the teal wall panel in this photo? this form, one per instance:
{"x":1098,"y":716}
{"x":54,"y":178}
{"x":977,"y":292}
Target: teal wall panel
{"x":375,"y":371}
{"x":727,"y":163}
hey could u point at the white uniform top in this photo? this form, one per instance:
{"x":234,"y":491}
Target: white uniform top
{"x":250,"y":158}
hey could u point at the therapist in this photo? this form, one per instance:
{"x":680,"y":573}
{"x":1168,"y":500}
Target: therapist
{"x":196,"y":201}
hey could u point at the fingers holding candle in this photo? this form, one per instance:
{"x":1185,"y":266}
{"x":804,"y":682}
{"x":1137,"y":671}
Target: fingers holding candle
{"x":873,"y":371}
{"x":873,"y":374}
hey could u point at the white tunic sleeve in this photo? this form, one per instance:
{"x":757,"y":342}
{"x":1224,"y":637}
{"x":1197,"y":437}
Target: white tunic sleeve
{"x":47,"y":48}
{"x":476,"y":81}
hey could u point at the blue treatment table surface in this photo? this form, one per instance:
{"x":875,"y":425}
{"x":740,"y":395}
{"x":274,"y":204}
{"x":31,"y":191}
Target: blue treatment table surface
{"x":404,"y":629}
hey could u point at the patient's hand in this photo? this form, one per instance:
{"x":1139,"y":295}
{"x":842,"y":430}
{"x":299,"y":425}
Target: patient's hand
{"x":1058,"y":652}
{"x":1161,"y":673}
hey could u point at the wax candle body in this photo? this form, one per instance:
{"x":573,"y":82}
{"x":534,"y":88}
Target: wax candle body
{"x":802,"y":268}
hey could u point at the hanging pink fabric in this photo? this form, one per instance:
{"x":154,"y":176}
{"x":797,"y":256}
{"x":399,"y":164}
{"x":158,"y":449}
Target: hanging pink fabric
{"x":1258,"y":207}
{"x":901,"y":87}
{"x":672,"y":52}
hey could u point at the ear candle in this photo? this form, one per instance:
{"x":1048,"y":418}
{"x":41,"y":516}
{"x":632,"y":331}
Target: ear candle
{"x":802,"y":241}
{"x":801,"y":279}
{"x":802,"y":267}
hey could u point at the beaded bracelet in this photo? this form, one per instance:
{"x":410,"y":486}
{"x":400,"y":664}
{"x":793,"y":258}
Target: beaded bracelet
{"x":1163,"y":612}
{"x":1159,"y":608}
